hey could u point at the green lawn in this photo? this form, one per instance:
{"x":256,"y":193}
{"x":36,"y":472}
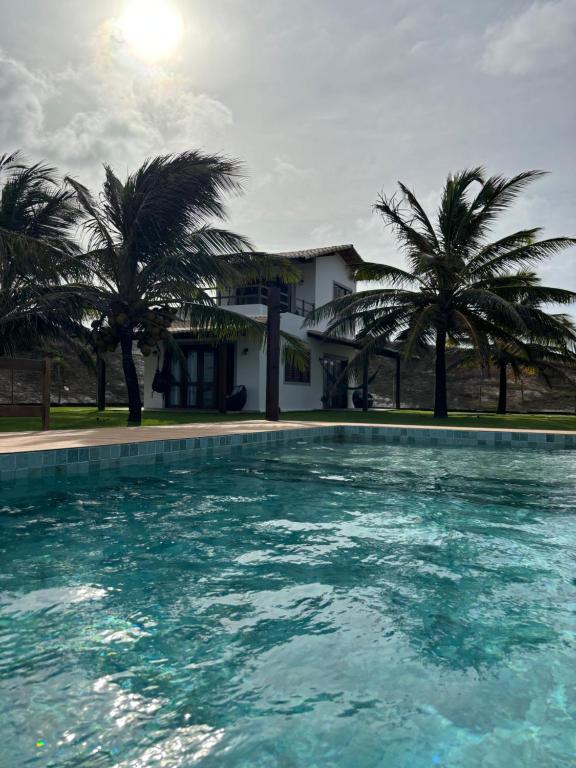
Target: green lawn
{"x":425,"y":419}
{"x":88,"y":418}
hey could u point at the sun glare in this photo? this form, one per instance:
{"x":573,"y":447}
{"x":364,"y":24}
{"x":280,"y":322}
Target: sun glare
{"x":151,"y":28}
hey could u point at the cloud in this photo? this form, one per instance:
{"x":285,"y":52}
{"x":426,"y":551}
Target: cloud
{"x":79,"y":119}
{"x":420,"y":47}
{"x":23,"y":95}
{"x":325,"y":234}
{"x":124,"y":131}
{"x":540,"y":39}
{"x":377,"y":242}
{"x":281,"y":171}
{"x":287,"y":171}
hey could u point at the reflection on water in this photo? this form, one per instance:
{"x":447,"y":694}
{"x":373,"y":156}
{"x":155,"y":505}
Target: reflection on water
{"x":52,"y":598}
{"x":314,"y":605}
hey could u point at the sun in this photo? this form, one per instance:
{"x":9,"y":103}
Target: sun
{"x":151,"y":28}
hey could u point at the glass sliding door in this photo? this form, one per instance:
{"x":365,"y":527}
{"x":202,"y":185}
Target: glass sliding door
{"x":192,"y":383}
{"x":176,"y":387}
{"x":195,"y":378}
{"x":335,"y":382}
{"x":208,"y":380}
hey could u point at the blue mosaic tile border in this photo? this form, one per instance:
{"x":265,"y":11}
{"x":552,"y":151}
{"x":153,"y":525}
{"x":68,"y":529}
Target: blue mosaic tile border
{"x":74,"y":461}
{"x":80,"y":461}
{"x":465,"y":438}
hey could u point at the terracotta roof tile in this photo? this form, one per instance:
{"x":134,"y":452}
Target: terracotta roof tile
{"x":348,"y":253}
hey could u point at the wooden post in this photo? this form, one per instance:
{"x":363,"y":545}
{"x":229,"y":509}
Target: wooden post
{"x":365,"y":383}
{"x":222,"y":377}
{"x":46,"y":381}
{"x":398,"y":406}
{"x":273,"y":354}
{"x":100,"y":383}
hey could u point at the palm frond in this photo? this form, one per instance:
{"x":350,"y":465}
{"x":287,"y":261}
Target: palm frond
{"x":454,"y":208}
{"x":523,"y":256}
{"x":420,"y":214}
{"x":385,"y":273}
{"x":100,"y":237}
{"x":417,"y":245}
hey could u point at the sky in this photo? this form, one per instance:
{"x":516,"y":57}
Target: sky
{"x":327,"y":103}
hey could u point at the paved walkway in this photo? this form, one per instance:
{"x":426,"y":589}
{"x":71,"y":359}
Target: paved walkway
{"x":18,"y":442}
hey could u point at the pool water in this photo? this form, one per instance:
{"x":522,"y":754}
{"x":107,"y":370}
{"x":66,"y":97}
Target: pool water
{"x":343,"y":605}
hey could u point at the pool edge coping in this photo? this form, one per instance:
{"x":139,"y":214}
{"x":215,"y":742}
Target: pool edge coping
{"x":88,"y":438}
{"x":82,"y":459}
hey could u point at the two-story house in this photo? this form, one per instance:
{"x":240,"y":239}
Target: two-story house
{"x":207,"y":370}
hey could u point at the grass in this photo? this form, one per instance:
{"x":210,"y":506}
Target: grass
{"x":549,"y":422}
{"x":90,"y":418}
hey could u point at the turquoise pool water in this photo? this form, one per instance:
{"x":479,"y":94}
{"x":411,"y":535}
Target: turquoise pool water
{"x":342,"y":605}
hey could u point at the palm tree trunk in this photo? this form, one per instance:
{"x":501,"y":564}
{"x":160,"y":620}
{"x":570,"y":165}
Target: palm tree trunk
{"x":100,"y":383}
{"x":503,"y":388}
{"x":440,"y":395}
{"x":130,"y":377}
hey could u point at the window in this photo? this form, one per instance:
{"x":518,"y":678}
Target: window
{"x":340,"y":291}
{"x":294,"y":375}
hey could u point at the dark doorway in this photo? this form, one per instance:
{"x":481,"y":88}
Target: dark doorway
{"x":195,"y":378}
{"x":335,"y":383}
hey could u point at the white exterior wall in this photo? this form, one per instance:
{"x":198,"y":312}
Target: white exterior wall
{"x":308,"y":397}
{"x":152,"y":400}
{"x":299,"y":396}
{"x":249,"y":310}
{"x":249,"y":368}
{"x":306,"y":288}
{"x":250,"y":361}
{"x":317,"y":287}
{"x":330,"y":270}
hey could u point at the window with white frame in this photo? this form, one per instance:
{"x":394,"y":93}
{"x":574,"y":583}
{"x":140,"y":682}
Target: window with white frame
{"x":340,"y":291}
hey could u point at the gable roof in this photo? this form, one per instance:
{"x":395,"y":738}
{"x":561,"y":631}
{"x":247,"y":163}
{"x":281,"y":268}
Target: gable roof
{"x":348,"y":253}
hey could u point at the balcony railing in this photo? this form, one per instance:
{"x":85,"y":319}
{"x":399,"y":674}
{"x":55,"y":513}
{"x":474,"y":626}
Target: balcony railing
{"x":303,"y":308}
{"x":258,"y":294}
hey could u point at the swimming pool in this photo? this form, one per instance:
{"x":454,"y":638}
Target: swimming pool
{"x":329,"y":604}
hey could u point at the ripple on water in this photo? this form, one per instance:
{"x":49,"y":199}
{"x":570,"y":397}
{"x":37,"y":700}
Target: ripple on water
{"x":339,"y":605}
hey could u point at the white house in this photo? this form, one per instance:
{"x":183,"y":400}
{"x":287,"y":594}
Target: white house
{"x":212,"y":369}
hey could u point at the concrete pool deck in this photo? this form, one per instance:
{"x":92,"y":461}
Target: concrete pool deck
{"x":28,"y":455}
{"x":24,"y":442}
{"x":18,"y":442}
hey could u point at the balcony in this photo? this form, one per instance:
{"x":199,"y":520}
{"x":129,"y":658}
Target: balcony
{"x":258,"y":294}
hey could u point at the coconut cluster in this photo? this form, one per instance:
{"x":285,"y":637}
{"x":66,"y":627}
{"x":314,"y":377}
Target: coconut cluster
{"x":147,"y":325}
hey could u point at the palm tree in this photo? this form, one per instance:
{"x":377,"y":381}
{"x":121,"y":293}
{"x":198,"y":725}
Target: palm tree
{"x":37,"y":253}
{"x":548,"y":345}
{"x":447,"y":292}
{"x":155,"y":256}
{"x":550,"y":363}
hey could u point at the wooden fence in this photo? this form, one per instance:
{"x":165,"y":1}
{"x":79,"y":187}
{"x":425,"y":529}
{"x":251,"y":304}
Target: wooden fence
{"x":28,"y":366}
